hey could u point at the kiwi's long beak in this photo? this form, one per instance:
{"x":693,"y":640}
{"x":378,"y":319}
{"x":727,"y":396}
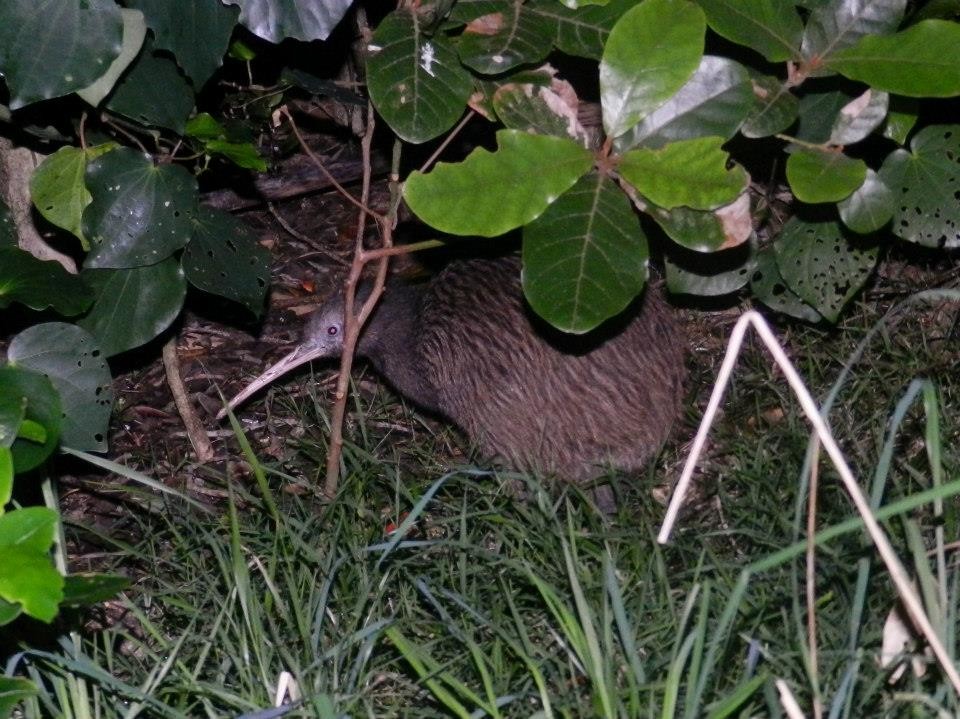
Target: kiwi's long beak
{"x":301,"y":355}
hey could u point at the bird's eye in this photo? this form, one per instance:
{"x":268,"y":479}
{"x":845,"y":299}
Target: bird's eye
{"x":332,"y":330}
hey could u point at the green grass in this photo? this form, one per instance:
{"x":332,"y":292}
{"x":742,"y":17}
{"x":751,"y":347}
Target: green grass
{"x":481,"y":604}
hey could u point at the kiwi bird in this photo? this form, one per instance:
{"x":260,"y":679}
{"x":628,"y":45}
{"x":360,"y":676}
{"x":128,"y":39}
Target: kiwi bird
{"x":466,"y":346}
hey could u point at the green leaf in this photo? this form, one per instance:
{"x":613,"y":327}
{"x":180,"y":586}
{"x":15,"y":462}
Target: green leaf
{"x":490,"y":193}
{"x":29,"y":577}
{"x":818,"y":113}
{"x":651,"y":52}
{"x":870,"y":207}
{"x":710,"y":275}
{"x":901,"y":119}
{"x":925,"y":183}
{"x":6,"y":469}
{"x":275,"y":20}
{"x":537,"y":109}
{"x":920,"y":61}
{"x":8,"y":612}
{"x":688,"y":173}
{"x":14,"y":690}
{"x":224,"y":257}
{"x":196,"y":33}
{"x":775,"y":108}
{"x":821,"y":265}
{"x":842,"y":23}
{"x":32,"y":528}
{"x":134,"y":305}
{"x":859,"y":117}
{"x":241,"y":154}
{"x":12,"y":412}
{"x":32,"y":431}
{"x":41,"y":404}
{"x":582,"y":32}
{"x":500,"y":41}
{"x":416,"y":82}
{"x":701,"y":231}
{"x":81,"y":590}
{"x":816,"y":176}
{"x":771,"y":27}
{"x":70,"y":358}
{"x":585,"y":258}
{"x":714,"y":101}
{"x":49,"y":48}
{"x":205,"y":127}
{"x":58,"y":190}
{"x":768,"y":286}
{"x":134,"y":33}
{"x":40,"y":284}
{"x":153,"y":92}
{"x":141,"y":213}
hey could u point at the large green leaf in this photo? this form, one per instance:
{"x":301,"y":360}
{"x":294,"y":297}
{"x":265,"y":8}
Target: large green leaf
{"x":768,"y":286}
{"x":652,"y":51}
{"x":134,"y":305}
{"x":490,"y":193}
{"x":537,"y":109}
{"x":134,"y":33}
{"x":415,"y":81}
{"x":41,"y":404}
{"x":771,"y":27}
{"x":925,"y":183}
{"x":842,"y":23}
{"x":50,"y":48}
{"x":817,"y":176}
{"x":901,"y":118}
{"x":821,"y":265}
{"x":703,"y":231}
{"x":224,"y":257}
{"x":153,"y":92}
{"x":29,"y":578}
{"x":713,"y":275}
{"x":688,"y":173}
{"x":507,"y":37}
{"x":40,"y":284}
{"x":920,"y":61}
{"x":30,"y":528}
{"x":714,"y":101}
{"x":581,"y":32}
{"x":870,"y":206}
{"x":141,"y":213}
{"x":81,"y":590}
{"x":585,"y":258}
{"x":818,"y":114}
{"x":197,"y":33}
{"x":69,"y":357}
{"x":275,"y":20}
{"x":775,"y":108}
{"x":859,"y":117}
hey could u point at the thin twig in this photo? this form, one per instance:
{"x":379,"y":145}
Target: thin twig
{"x":294,"y":232}
{"x":447,"y":140}
{"x":195,"y":429}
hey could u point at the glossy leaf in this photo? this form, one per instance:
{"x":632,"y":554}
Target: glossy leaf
{"x":818,"y":113}
{"x":859,"y":117}
{"x":582,"y":32}
{"x":713,"y":275}
{"x":6,"y":470}
{"x":652,"y":51}
{"x":140,"y":214}
{"x":134,"y":34}
{"x":490,"y":193}
{"x":537,"y":109}
{"x":415,"y":81}
{"x":920,"y":61}
{"x":585,"y":258}
{"x":824,"y":176}
{"x":29,"y":528}
{"x":689,"y":173}
{"x":13,"y":409}
{"x":224,"y":258}
{"x":821,"y":266}
{"x":702,"y":231}
{"x":771,"y":27}
{"x":82,"y":590}
{"x":10,"y":691}
{"x":926,"y":185}
{"x":768,"y":286}
{"x":41,"y":404}
{"x":714,"y":101}
{"x":40,"y":284}
{"x":842,"y":23}
{"x":196,"y":33}
{"x":154,"y":93}
{"x":50,"y":48}
{"x":70,"y":358}
{"x":58,"y":190}
{"x":901,"y":119}
{"x":275,"y":20}
{"x":870,"y":207}
{"x":134,"y":305}
{"x":500,"y":41}
{"x":29,"y":578}
{"x":775,"y":108}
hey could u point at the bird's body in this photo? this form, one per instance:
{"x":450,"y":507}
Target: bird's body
{"x":466,"y":346}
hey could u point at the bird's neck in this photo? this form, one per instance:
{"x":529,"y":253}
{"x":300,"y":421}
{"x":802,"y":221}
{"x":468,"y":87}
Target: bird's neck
{"x":391,"y":341}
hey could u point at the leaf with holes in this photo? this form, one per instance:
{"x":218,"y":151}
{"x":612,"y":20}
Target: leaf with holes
{"x":768,"y":286}
{"x":501,"y":40}
{"x":40,"y":284}
{"x":821,"y":265}
{"x":824,"y":176}
{"x":859,"y":117}
{"x":926,"y":187}
{"x":774,"y":109}
{"x":71,"y":359}
{"x":224,"y":258}
{"x":415,"y":81}
{"x":140,"y":214}
{"x":710,"y":275}
{"x":490,"y":193}
{"x":771,"y":27}
{"x":870,"y":207}
{"x":133,"y":305}
{"x":275,"y":20}
{"x":41,"y":404}
{"x":714,"y":101}
{"x":585,"y":258}
{"x":651,"y":52}
{"x":688,"y":173}
{"x":839,"y":24}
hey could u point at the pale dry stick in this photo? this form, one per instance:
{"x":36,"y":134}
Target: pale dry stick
{"x":898,"y":574}
{"x":788,"y":701}
{"x":196,"y":432}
